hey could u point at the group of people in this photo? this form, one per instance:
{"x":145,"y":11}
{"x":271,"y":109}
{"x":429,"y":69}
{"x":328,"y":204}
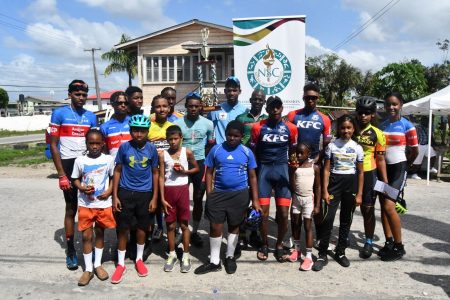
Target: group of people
{"x":137,"y":168}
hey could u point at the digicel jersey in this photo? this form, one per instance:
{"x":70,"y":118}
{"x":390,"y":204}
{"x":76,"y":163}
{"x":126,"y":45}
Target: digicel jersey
{"x":116,"y":133}
{"x":311,"y":125}
{"x":71,"y":126}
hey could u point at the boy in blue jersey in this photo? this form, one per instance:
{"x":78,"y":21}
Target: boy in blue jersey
{"x":135,"y":183}
{"x":234,"y":166}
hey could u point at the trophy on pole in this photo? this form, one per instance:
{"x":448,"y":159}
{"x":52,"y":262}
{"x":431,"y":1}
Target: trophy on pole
{"x":210,"y":100}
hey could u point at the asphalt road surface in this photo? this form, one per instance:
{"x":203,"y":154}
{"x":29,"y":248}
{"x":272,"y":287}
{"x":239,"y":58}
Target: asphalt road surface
{"x":40,"y":137}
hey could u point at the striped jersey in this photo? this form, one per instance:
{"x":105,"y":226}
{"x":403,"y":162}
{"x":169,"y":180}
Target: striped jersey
{"x":116,"y":133}
{"x":398,"y":134}
{"x":71,"y":126}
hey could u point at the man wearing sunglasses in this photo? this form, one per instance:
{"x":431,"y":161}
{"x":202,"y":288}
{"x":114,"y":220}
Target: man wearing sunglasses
{"x":116,"y":130}
{"x":69,"y":125}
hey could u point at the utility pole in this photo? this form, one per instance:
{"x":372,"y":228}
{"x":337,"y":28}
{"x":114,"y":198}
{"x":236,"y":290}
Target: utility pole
{"x":97,"y":88}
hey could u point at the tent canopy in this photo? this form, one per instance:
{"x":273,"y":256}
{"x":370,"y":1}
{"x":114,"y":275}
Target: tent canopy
{"x":439,"y":102}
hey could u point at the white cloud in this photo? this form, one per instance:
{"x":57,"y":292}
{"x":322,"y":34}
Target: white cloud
{"x":373,"y":32}
{"x":363,"y":60}
{"x":314,"y":47}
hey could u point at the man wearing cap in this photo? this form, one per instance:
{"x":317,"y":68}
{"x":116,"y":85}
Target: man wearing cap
{"x":229,"y":110}
{"x":271,"y":140}
{"x":69,"y":125}
{"x":196,"y":130}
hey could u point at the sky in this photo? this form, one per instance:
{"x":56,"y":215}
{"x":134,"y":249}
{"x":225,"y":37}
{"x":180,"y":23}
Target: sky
{"x":43,"y":41}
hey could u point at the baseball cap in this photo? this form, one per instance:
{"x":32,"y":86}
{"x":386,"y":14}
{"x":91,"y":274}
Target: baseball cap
{"x":232,"y":80}
{"x":274,"y":101}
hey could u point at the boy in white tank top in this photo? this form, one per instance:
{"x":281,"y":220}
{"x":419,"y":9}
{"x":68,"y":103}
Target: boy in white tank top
{"x":174,"y":169}
{"x":305,"y":186}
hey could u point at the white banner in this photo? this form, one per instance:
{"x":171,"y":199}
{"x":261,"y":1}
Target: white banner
{"x":269,"y":54}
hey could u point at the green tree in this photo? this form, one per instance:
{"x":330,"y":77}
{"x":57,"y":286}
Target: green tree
{"x":407,"y":78}
{"x":364,"y":88}
{"x":335,"y":77}
{"x":437,"y":76}
{"x":4,"y":99}
{"x":121,"y":61}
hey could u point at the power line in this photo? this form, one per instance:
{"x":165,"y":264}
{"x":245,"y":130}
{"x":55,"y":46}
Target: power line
{"x":366,"y":24}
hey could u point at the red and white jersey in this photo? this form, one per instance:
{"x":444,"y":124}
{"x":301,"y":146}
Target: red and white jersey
{"x":398,"y":135}
{"x":71,"y":126}
{"x":116,"y":133}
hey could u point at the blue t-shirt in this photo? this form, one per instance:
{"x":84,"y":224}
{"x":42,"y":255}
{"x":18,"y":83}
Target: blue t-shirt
{"x":137,"y":165}
{"x":231,"y":166}
{"x":196,"y":134}
{"x":222,"y":117}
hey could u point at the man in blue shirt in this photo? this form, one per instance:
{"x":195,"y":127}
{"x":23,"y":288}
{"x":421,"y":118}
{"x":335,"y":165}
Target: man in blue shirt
{"x":229,"y":110}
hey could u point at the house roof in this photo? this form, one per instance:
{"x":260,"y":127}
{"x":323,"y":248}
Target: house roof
{"x":104,"y":95}
{"x":168,"y":29}
{"x":44,"y":99}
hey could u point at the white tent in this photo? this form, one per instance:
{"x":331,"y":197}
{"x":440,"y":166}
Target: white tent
{"x":435,"y":104}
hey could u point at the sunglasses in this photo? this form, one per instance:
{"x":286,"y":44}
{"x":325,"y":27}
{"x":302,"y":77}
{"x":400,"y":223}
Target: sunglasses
{"x":119,"y":103}
{"x":310,"y":98}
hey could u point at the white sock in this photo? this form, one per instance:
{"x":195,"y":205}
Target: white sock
{"x":297,"y":245}
{"x":195,"y":225}
{"x":172,"y":254}
{"x":139,"y":251}
{"x":88,"y":261}
{"x":185,"y":255}
{"x":98,"y":257}
{"x":309,"y":253}
{"x":215,"y":243}
{"x":231,"y":244}
{"x":121,"y":257}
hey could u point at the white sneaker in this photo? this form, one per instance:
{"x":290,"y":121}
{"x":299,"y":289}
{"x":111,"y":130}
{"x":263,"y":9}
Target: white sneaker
{"x":415,"y":176}
{"x":433,"y":171}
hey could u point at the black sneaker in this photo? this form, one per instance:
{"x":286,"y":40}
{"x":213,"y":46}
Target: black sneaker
{"x":366,"y":252}
{"x":388,"y":245}
{"x":147,"y":250}
{"x":230,"y":265}
{"x":395,"y":253}
{"x":237,"y":251}
{"x":208,"y":267}
{"x":321,"y":262}
{"x":342,"y":259}
{"x":196,"y":240}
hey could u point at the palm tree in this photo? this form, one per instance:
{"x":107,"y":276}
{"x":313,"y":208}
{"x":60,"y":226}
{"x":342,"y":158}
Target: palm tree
{"x":121,"y":60}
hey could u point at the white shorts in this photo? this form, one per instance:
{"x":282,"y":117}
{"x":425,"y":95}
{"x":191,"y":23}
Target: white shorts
{"x":423,"y":152}
{"x":303,"y":205}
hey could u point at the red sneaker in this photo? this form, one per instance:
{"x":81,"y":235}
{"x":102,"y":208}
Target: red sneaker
{"x":118,"y":274}
{"x":141,"y":268}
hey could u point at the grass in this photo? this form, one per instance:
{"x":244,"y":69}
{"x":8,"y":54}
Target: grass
{"x":7,"y":133}
{"x":23,"y":157}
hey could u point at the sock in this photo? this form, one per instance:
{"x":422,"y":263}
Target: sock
{"x":369,"y":241}
{"x":139,"y":251}
{"x":88,"y":261}
{"x":70,"y":246}
{"x":98,"y":257}
{"x":195,"y":225}
{"x":215,"y":243}
{"x":309,"y":253}
{"x":231,"y":244}
{"x":297,"y":245}
{"x":185,"y":255}
{"x":172,"y":254}
{"x":121,"y":257}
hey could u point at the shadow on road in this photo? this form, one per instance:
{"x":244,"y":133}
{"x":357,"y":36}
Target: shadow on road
{"x":442,"y":281}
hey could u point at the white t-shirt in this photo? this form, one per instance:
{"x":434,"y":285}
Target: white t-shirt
{"x":173,"y":178}
{"x":96,"y":172}
{"x":344,"y":155}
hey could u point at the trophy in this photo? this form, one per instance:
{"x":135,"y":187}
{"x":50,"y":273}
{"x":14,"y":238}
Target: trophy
{"x":209,"y":97}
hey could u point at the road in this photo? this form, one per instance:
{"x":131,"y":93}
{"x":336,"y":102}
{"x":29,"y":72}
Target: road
{"x":32,"y":256}
{"x":40,"y":137}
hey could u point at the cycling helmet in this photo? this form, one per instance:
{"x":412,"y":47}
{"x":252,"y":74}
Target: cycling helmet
{"x":139,"y":121}
{"x":252,"y":219}
{"x":366,"y":103}
{"x":400,"y":206}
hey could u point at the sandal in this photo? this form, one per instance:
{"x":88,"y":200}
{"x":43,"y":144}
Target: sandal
{"x":279,"y":255}
{"x":264,"y":250}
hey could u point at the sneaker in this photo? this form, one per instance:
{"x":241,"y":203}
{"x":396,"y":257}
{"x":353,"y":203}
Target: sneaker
{"x":185,"y":265}
{"x":387,"y":247}
{"x":321,"y":262}
{"x":118,"y":274}
{"x":207,"y":268}
{"x":415,"y":176}
{"x":141,"y":268}
{"x":72,"y":261}
{"x":147,"y":250}
{"x":101,"y":273}
{"x":230,"y":265}
{"x":293,"y":256}
{"x":157,"y":234}
{"x":366,"y":252}
{"x":342,"y":259}
{"x":395,"y":253}
{"x":307,"y":264}
{"x":433,"y":171}
{"x":196,"y":240}
{"x":85,"y":278}
{"x":237,"y":251}
{"x":317,"y":245}
{"x":170,"y":263}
